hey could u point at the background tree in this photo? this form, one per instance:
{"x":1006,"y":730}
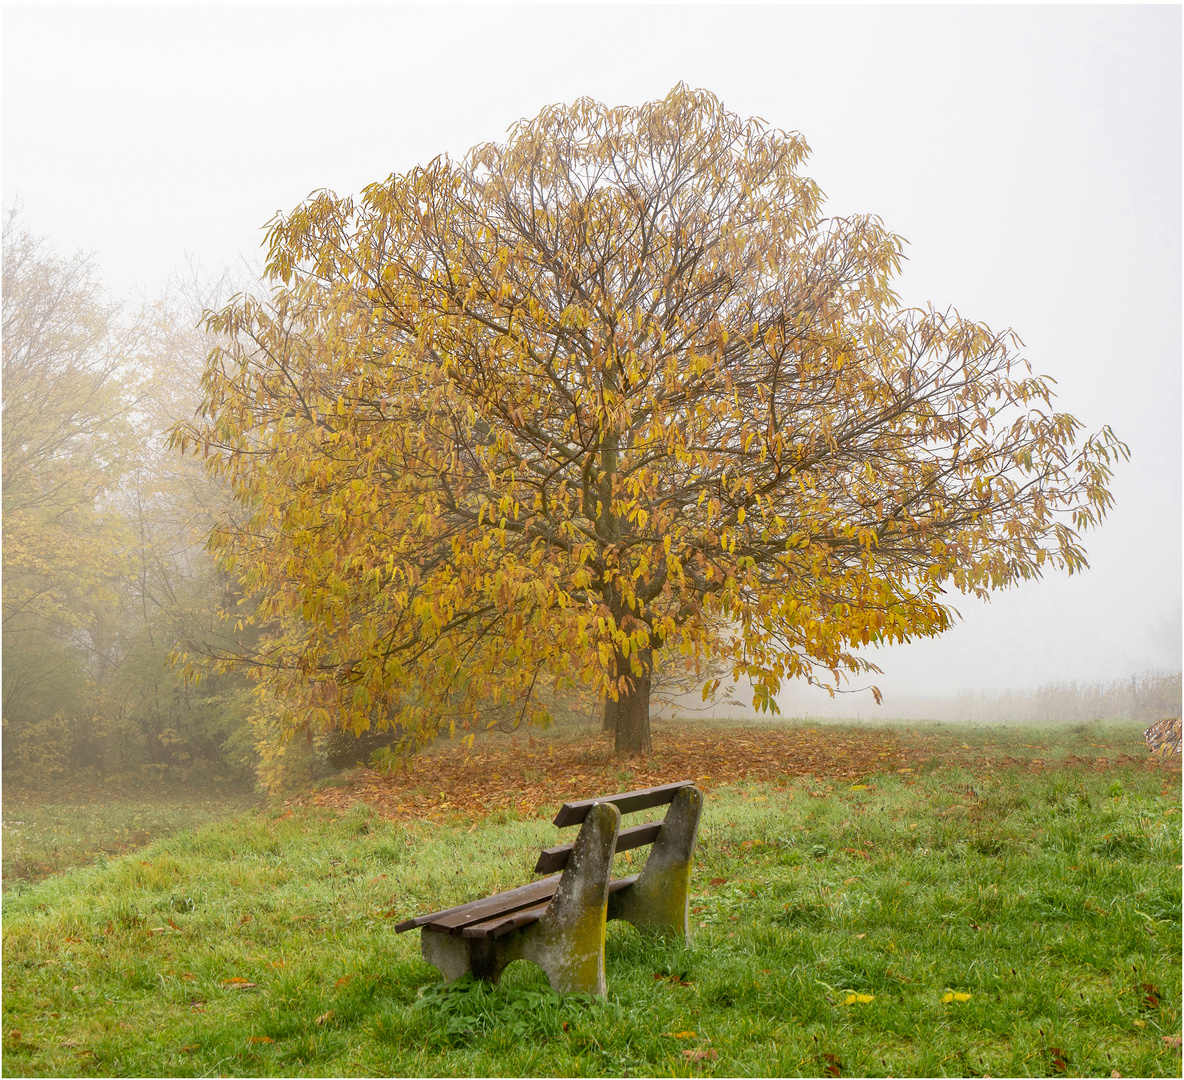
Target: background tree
{"x":104,"y":561}
{"x":66,"y":441}
{"x":584,"y":397}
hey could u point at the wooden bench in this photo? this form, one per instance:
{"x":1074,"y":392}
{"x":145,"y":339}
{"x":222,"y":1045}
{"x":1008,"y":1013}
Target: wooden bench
{"x":558,"y":923}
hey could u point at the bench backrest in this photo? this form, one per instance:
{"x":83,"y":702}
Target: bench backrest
{"x":555,"y":858}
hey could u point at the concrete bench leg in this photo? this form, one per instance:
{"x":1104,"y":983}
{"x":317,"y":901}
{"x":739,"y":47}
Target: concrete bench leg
{"x":455,"y":955}
{"x":567,"y":942}
{"x":660,"y":897}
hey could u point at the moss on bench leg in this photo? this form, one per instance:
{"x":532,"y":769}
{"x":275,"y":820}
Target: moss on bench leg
{"x":660,"y":897}
{"x":568,"y":941}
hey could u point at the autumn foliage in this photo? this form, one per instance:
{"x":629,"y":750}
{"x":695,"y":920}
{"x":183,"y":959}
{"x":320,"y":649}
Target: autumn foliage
{"x":510,"y":427}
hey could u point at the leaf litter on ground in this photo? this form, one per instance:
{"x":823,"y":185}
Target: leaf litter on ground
{"x":521,"y":774}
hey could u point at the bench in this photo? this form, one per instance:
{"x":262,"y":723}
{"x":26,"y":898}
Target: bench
{"x":558,"y":923}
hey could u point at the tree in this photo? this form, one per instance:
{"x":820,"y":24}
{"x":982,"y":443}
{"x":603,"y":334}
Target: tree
{"x":66,"y":440}
{"x":587,"y":396}
{"x":104,"y":561}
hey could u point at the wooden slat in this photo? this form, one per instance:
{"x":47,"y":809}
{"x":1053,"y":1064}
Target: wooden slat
{"x":622,"y":883}
{"x":574,"y":812}
{"x":555,"y":858}
{"x":503,"y":924}
{"x":487,"y":906}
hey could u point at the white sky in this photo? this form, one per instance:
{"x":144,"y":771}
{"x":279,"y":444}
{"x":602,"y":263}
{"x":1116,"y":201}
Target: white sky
{"x":1030,"y":156}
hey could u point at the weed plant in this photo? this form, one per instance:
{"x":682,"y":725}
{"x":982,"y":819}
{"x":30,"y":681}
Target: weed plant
{"x":1007,"y":923}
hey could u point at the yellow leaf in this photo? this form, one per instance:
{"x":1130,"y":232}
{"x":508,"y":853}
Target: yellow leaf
{"x":859,"y":999}
{"x":951,"y":996}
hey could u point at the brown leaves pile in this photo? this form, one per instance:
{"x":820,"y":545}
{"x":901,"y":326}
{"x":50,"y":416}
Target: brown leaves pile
{"x":524,"y":774}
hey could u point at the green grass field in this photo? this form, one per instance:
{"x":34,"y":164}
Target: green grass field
{"x":45,"y":834}
{"x":1013,"y":923}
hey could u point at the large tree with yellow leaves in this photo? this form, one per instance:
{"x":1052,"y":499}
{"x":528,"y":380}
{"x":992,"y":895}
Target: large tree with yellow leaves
{"x":529,"y":420}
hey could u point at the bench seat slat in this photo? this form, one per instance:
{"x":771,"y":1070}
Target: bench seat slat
{"x":573,"y":813}
{"x":495,"y":906}
{"x":555,"y":858}
{"x":498,"y":925}
{"x":503,"y":924}
{"x":489,"y":905}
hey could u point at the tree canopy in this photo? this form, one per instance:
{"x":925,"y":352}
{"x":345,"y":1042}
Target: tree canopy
{"x":613,"y":388}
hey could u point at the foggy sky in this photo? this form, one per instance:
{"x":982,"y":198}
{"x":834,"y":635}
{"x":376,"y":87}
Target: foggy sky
{"x":1030,"y":156}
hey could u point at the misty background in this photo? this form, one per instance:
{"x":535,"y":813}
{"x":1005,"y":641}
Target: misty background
{"x":1030,"y":156}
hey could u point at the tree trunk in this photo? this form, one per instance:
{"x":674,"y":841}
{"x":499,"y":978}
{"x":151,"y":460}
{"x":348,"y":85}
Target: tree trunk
{"x":610,"y":715}
{"x":633,"y":710}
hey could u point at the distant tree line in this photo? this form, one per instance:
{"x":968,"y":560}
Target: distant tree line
{"x":1144,"y":697}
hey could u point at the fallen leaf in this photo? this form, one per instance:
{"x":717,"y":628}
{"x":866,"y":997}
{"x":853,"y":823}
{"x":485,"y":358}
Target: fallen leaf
{"x":261,"y":1039}
{"x":189,"y":976}
{"x":1171,"y":1040}
{"x":859,"y":937}
{"x":246,"y":919}
{"x":324,"y":1018}
{"x":679,"y":1034}
{"x":701,"y":1055}
{"x":859,"y":999}
{"x":950,"y":996}
{"x":1139,"y":1023}
{"x":236,"y":982}
{"x":715,"y":882}
{"x":834,"y":1067}
{"x":189,"y":1049}
{"x":15,"y":1035}
{"x":345,"y":980}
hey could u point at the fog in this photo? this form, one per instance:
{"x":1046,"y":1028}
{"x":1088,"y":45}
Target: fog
{"x":1030,"y":156}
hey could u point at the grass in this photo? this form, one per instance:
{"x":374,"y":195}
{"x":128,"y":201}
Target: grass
{"x":1000,"y":921}
{"x":44,"y":834}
